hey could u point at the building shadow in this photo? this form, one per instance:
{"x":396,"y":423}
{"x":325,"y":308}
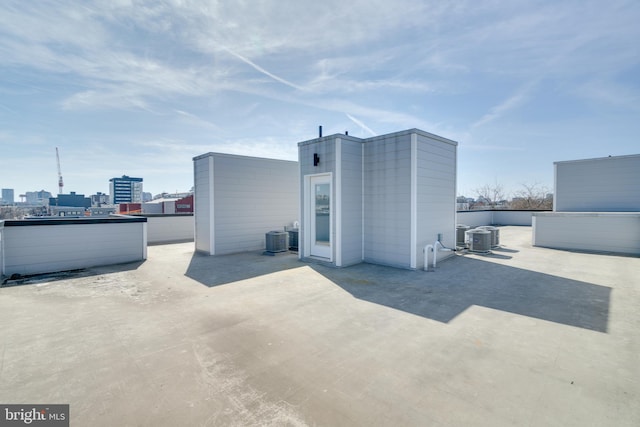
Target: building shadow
{"x":457,"y":284}
{"x":464,"y":282}
{"x":223,"y":269}
{"x":34,"y":279}
{"x":503,"y":249}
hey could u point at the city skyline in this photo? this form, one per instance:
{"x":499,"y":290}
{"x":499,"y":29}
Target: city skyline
{"x":140,"y":90}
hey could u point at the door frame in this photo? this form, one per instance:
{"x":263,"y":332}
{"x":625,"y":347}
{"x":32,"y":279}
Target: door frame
{"x":308,"y":214}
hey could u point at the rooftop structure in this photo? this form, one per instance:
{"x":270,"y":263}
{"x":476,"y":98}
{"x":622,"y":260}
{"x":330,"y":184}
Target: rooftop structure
{"x":379,"y":200}
{"x":237,"y":199}
{"x":596,"y":206}
{"x":525,"y":336}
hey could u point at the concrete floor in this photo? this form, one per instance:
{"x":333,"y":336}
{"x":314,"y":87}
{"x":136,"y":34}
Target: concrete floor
{"x":525,"y":337}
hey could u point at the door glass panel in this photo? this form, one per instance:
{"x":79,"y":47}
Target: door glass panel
{"x":322,"y":213}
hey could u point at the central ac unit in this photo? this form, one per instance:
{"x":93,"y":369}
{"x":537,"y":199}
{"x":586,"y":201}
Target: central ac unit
{"x":276,"y":241}
{"x":479,"y":240}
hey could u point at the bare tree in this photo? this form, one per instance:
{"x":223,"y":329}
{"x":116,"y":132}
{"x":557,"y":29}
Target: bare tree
{"x":532,"y":197}
{"x":490,"y":194}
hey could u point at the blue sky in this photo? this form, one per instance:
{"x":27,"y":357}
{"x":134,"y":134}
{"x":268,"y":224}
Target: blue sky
{"x":140,"y":87}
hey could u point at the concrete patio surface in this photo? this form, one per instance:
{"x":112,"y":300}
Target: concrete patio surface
{"x":524,"y":336}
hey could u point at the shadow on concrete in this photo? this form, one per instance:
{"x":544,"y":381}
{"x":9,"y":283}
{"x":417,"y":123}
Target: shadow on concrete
{"x":494,"y":255}
{"x":222,"y":269}
{"x":32,"y":279}
{"x":463,"y":282}
{"x":457,"y":284}
{"x":502,"y":249}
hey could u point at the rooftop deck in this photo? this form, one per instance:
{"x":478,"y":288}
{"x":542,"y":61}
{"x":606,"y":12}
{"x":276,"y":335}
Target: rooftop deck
{"x":524,"y":336}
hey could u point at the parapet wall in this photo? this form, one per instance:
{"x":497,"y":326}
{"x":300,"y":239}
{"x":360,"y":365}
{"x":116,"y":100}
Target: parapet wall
{"x":614,"y":232}
{"x":495,"y":217}
{"x":36,"y":246}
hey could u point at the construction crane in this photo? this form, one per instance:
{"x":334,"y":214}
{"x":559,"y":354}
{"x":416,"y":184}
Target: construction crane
{"x":60,"y":183}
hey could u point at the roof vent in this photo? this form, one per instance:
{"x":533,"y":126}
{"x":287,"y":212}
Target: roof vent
{"x":479,"y":240}
{"x":276,"y":241}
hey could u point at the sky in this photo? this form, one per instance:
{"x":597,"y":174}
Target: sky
{"x":139,"y":88}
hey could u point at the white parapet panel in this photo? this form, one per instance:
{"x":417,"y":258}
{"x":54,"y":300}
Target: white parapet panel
{"x":613,"y":232}
{"x":53,"y":245}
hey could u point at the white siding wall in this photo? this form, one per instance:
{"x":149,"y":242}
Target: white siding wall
{"x":34,"y":249}
{"x":170,"y":228}
{"x":351,"y":201}
{"x":612,"y":232}
{"x":252,"y":196}
{"x":609,"y":184}
{"x":436,"y":194}
{"x":387,"y":200}
{"x":203,"y":203}
{"x":1,"y":250}
{"x":325,"y":148}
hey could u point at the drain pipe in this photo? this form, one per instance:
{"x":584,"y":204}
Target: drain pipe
{"x":426,"y":256}
{"x":435,"y":251}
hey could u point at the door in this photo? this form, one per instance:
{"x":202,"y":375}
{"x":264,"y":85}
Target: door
{"x":320,"y":216}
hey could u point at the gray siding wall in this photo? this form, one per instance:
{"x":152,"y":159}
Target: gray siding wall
{"x":351,"y":201}
{"x":1,"y":250}
{"x":374,"y":204}
{"x":203,"y":198}
{"x":325,"y":148}
{"x":51,"y":248}
{"x":610,"y":184}
{"x":436,"y":195}
{"x":474,"y":218}
{"x":387,"y":200}
{"x":617,"y":232}
{"x":512,"y":218}
{"x":170,"y":228}
{"x":252,"y":196}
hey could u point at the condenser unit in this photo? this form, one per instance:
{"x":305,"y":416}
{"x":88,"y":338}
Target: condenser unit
{"x":479,"y":240}
{"x":276,"y":241}
{"x":460,"y":234}
{"x":495,"y":234}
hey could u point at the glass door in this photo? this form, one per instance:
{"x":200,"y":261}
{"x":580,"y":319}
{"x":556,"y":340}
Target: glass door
{"x":320,"y":210}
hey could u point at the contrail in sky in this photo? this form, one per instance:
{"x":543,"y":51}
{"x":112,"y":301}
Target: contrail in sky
{"x":262,"y":70}
{"x":362,"y":125}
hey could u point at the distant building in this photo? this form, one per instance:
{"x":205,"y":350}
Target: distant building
{"x":101,"y":211}
{"x":7,"y":196}
{"x":38,"y":197}
{"x":75,"y":211}
{"x":70,"y":200}
{"x":171,"y":195}
{"x":147,"y":196}
{"x":169,"y":205}
{"x":129,"y":208}
{"x":125,"y":190}
{"x":99,"y":199}
{"x":185,"y":205}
